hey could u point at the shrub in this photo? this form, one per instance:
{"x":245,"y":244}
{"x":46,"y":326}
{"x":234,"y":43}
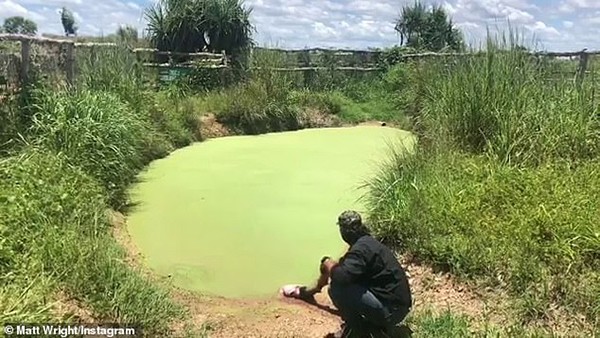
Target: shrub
{"x":97,"y":132}
{"x":330,"y":103}
{"x":504,"y":183}
{"x":115,"y":70}
{"x":174,"y":115}
{"x":252,"y":110}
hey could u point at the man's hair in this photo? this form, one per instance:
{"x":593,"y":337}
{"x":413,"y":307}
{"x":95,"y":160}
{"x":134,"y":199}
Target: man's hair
{"x":351,"y":225}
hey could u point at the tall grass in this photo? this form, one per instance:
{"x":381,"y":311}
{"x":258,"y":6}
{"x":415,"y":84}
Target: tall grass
{"x":260,"y":103}
{"x":504,"y":185}
{"x":55,"y":236}
{"x":97,"y":132}
{"x":84,"y":147}
{"x":504,"y":104}
{"x":115,"y":70}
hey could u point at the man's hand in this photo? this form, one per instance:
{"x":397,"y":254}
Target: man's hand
{"x":327,"y":265}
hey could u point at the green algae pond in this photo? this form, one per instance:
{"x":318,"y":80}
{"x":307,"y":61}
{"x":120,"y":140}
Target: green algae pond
{"x":241,"y":216}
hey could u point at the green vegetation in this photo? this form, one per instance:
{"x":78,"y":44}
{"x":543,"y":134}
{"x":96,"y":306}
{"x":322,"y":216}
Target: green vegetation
{"x":504,"y":186}
{"x":19,"y":25}
{"x":194,"y":25}
{"x":429,"y":29}
{"x":69,"y":154}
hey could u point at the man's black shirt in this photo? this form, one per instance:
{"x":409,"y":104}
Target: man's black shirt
{"x":371,"y":264}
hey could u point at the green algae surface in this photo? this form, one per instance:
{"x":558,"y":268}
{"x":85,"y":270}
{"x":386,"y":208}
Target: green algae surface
{"x":241,"y":216}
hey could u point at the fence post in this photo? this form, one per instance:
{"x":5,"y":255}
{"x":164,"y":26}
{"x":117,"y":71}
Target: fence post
{"x":583,"y":63}
{"x":305,"y":62}
{"x":70,"y":63}
{"x":224,"y":56}
{"x":25,"y":60}
{"x":223,"y":71}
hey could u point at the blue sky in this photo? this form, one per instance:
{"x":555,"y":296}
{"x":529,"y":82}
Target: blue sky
{"x":556,"y":25}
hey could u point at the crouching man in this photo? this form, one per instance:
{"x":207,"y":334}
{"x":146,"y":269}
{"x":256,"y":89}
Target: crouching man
{"x":368,"y":286}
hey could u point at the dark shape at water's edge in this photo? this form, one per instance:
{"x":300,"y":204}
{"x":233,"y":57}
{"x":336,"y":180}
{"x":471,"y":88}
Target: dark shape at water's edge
{"x":129,"y":208}
{"x":312,"y":301}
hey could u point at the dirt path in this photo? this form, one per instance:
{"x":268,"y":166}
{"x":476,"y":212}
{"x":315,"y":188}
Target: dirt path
{"x":280,"y":317}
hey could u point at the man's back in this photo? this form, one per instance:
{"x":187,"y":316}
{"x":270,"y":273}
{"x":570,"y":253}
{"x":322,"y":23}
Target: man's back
{"x":373,"y":265}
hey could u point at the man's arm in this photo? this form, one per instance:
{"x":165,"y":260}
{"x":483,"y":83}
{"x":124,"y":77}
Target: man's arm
{"x":353,"y":266}
{"x":325,"y":269}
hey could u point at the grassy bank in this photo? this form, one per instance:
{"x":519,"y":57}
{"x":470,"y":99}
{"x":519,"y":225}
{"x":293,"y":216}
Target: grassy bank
{"x":503,"y":188}
{"x":68,"y":158}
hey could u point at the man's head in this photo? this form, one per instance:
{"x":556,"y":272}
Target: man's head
{"x":351,"y":226}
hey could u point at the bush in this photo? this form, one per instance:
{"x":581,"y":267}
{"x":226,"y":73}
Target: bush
{"x":329,"y":103}
{"x":97,"y":132}
{"x":55,"y":237}
{"x":115,"y":70}
{"x":174,"y":115}
{"x":534,"y":230}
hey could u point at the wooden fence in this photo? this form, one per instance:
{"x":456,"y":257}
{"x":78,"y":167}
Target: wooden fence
{"x":302,"y":60}
{"x":207,"y":60}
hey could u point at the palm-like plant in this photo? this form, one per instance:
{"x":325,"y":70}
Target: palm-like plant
{"x":431,"y":29}
{"x":411,"y":24}
{"x":195,"y":25}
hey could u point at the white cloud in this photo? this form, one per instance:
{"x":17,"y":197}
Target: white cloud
{"x":9,"y":8}
{"x":339,"y":23}
{"x":582,"y":3}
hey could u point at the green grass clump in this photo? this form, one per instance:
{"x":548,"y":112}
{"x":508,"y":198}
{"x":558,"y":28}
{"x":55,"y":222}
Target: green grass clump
{"x":329,"y":103}
{"x":504,"y":104}
{"x":97,"y":132}
{"x":533,"y":230}
{"x":55,"y":236}
{"x":174,"y":115}
{"x":259,"y":104}
{"x":449,"y":324}
{"x":115,"y":70}
{"x":252,"y":109}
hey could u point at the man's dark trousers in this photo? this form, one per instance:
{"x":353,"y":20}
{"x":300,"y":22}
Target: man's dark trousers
{"x":361,"y":310}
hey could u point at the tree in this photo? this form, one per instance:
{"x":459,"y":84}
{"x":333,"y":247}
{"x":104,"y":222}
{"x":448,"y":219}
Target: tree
{"x":68,"y":22}
{"x":127,"y":34}
{"x":19,"y":25}
{"x":196,"y":25}
{"x":428,"y":28}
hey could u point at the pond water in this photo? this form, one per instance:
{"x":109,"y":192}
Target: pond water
{"x":241,"y":216}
